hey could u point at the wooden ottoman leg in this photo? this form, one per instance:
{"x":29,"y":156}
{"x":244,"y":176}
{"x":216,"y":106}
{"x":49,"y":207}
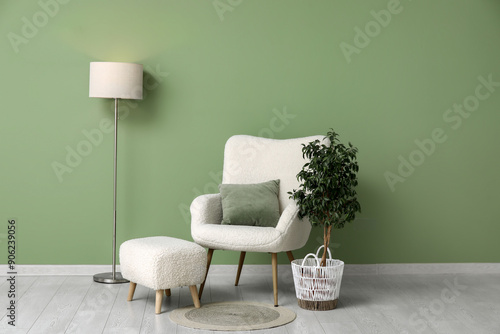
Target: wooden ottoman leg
{"x":194,"y":295}
{"x":159,"y":298}
{"x":131,"y":291}
{"x":168,"y":293}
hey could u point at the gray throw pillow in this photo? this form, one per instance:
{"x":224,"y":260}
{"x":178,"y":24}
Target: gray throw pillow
{"x":250,"y":204}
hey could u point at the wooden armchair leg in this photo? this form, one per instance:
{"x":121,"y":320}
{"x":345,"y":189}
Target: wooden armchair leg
{"x":240,"y":265}
{"x":209,"y":259}
{"x":168,"y":293}
{"x":131,"y":291}
{"x":274,"y":260}
{"x":290,"y":256}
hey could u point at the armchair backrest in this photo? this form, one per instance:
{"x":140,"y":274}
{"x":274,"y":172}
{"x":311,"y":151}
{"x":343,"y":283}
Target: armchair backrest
{"x":249,"y":159}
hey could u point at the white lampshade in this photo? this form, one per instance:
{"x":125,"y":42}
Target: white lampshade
{"x":115,"y":80}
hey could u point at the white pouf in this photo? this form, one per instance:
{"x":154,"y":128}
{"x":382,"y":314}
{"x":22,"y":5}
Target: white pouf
{"x":163,"y":263}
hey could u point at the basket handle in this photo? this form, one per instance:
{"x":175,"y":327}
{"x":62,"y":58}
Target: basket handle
{"x":315,"y":257}
{"x":328,"y":249}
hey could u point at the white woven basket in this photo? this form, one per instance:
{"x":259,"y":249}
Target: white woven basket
{"x":316,"y":283}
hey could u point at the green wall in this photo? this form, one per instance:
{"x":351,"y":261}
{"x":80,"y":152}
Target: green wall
{"x":215,"y":69}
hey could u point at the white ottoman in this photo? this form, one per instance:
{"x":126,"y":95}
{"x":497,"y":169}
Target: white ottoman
{"x":163,"y":263}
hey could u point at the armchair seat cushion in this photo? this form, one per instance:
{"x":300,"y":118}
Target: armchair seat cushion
{"x":238,"y":237}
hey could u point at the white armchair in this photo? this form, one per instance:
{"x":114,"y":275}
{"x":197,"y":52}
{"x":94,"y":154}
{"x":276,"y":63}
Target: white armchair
{"x":249,"y":159}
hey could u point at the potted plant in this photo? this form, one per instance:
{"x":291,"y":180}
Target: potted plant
{"x":327,"y":196}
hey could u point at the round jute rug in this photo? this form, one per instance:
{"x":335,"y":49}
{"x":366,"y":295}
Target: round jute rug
{"x":233,"y":316}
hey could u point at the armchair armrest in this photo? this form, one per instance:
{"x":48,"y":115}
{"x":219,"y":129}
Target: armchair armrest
{"x":295,"y":231}
{"x":289,"y":217}
{"x":206,"y":209}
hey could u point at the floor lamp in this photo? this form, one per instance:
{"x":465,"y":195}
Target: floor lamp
{"x":115,"y":81}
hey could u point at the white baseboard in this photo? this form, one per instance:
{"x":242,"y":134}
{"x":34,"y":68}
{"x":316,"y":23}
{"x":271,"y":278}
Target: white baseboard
{"x":421,"y":268}
{"x":350,"y":269}
{"x":63,"y":269}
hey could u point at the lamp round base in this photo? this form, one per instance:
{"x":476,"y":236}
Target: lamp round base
{"x":108,"y":278}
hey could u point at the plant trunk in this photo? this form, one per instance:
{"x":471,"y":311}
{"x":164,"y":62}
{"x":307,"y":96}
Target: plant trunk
{"x":326,"y":239}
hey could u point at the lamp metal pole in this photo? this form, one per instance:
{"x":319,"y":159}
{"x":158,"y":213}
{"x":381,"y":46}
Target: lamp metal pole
{"x":113,"y":277}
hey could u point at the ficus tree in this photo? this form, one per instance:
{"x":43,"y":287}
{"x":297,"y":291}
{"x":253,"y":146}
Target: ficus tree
{"x":326,"y":194}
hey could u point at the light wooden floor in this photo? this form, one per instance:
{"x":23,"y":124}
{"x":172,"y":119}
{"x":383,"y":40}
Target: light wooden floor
{"x":461,"y":303}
